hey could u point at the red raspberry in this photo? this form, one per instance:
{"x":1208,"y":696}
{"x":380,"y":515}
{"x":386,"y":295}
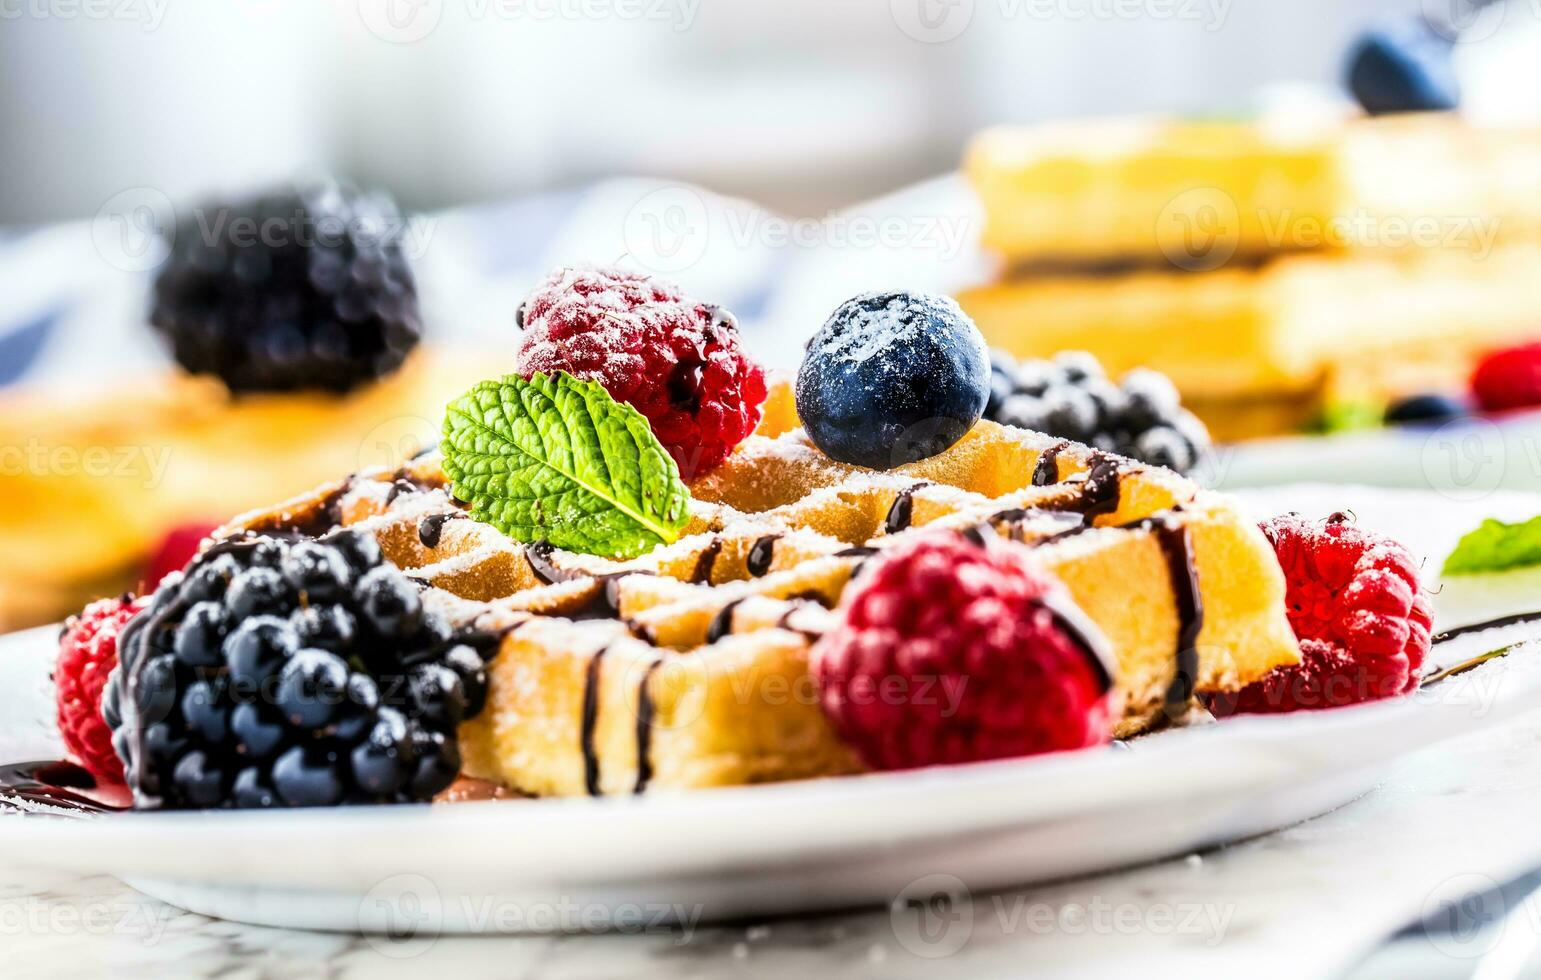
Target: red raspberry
{"x":176,"y":549}
{"x":1509,"y":378}
{"x":949,"y":652}
{"x":1354,"y":602}
{"x":675,"y":360}
{"x":88,"y":652}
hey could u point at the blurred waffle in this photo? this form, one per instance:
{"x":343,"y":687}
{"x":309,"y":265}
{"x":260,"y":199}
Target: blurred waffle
{"x":1272,"y":269}
{"x":93,"y":482}
{"x":687,"y":667}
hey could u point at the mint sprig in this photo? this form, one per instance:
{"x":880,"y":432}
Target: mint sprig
{"x":556,"y":459}
{"x":1495,"y":547}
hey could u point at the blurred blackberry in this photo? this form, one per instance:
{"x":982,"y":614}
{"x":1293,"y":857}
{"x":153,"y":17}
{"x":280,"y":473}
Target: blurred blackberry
{"x":280,"y":673}
{"x":297,"y":289}
{"x":1142,"y":417}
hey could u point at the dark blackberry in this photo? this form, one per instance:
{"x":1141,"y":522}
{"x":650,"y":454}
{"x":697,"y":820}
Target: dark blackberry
{"x":1071,"y":398}
{"x":315,"y":678}
{"x":1427,"y":408}
{"x":304,"y":288}
{"x":1404,"y":65}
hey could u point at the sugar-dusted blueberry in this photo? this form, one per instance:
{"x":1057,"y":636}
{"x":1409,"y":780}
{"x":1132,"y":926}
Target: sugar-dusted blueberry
{"x":467,"y":663}
{"x":437,"y":762}
{"x":312,"y":688}
{"x":257,"y":648}
{"x":331,"y":627}
{"x":199,"y":779}
{"x":256,"y":734}
{"x":437,"y":695}
{"x":359,"y":550}
{"x":205,"y":710}
{"x":256,"y":591}
{"x":1070,"y":412}
{"x":201,"y":635}
{"x":389,"y":603}
{"x":1164,"y":446}
{"x":383,"y":760}
{"x":319,"y":572}
{"x":893,"y":377}
{"x":251,"y":790}
{"x":308,"y":776}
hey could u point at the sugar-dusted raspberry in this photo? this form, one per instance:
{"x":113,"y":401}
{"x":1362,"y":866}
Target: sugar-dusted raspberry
{"x":1509,"y":378}
{"x":88,"y":652}
{"x":676,"y":360}
{"x":1354,"y":602}
{"x":955,"y":652}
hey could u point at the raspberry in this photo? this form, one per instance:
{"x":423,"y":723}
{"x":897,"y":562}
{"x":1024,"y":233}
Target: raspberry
{"x":675,"y":360}
{"x":176,"y":549}
{"x":1509,"y":378}
{"x":952,"y":652}
{"x":1354,"y":602}
{"x":88,"y":651}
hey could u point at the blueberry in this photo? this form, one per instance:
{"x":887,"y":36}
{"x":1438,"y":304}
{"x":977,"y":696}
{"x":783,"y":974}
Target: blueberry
{"x":1163,"y":446}
{"x":1077,"y":366}
{"x":1069,"y":413}
{"x":205,"y":712}
{"x":155,"y":693}
{"x":893,"y":377}
{"x":438,"y":763}
{"x":1036,"y":377}
{"x":360,"y":699}
{"x":311,"y":688}
{"x":1002,"y":387}
{"x":467,"y":663}
{"x":211,"y":578}
{"x":1150,"y":399}
{"x":256,"y":736}
{"x":257,"y":648}
{"x":201,"y":634}
{"x":307,"y":776}
{"x":1025,"y":412}
{"x":359,"y":550}
{"x":1424,"y":408}
{"x":198,"y":780}
{"x":329,"y":627}
{"x":1109,"y":399}
{"x":390,"y":604}
{"x":250,"y":791}
{"x":256,"y":591}
{"x":437,"y":695}
{"x":1403,"y":67}
{"x":384,"y":759}
{"x":320,"y":573}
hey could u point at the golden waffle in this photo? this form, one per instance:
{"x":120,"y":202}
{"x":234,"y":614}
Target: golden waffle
{"x":91,"y":484}
{"x":1294,"y":333}
{"x":1139,"y":190}
{"x":687,"y":667}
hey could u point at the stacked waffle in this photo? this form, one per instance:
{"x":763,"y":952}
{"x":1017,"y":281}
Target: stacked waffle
{"x":688,"y":666}
{"x":1269,"y":269}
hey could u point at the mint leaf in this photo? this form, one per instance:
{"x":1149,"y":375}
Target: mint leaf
{"x":557,"y":459}
{"x":1495,"y":546}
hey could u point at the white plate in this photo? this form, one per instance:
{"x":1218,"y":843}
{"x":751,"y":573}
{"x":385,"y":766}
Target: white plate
{"x":617,"y":863}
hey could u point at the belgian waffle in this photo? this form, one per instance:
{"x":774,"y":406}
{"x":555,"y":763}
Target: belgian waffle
{"x":687,"y":667}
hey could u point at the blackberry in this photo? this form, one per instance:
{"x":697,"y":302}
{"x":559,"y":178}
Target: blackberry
{"x":304,"y":288}
{"x":1141,"y":417}
{"x":291,"y":673}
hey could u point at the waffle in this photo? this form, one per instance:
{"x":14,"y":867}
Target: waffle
{"x":93,"y":483}
{"x":688,"y":667}
{"x":1258,"y":349}
{"x":1135,"y":189}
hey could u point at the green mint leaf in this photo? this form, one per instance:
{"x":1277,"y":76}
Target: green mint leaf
{"x":1495,"y":546}
{"x":556,"y":459}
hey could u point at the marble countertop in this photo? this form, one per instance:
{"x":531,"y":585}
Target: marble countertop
{"x":1302,"y":902}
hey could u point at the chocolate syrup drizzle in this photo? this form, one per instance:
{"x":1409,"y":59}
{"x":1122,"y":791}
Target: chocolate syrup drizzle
{"x":706,"y":562}
{"x":24,"y":785}
{"x":902,"y":511}
{"x":1046,"y":470}
{"x":722,"y":623}
{"x":1177,"y":547}
{"x":588,"y":721}
{"x":645,"y":711}
{"x":761,"y":553}
{"x":431,"y":528}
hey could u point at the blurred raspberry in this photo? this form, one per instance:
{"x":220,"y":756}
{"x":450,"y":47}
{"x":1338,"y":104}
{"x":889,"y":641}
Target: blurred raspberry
{"x":675,"y":360}
{"x":176,"y":549}
{"x":1509,"y":378}
{"x":88,"y":652}
{"x":952,"y":652}
{"x":1354,"y":602}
